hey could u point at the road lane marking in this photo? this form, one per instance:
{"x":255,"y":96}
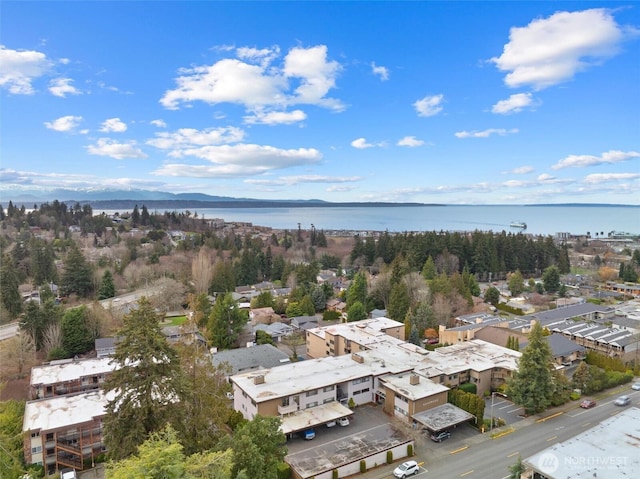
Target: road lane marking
{"x":455,"y":451}
{"x":586,"y":424}
{"x":552,"y":438}
{"x":543,"y":419}
{"x":466,"y":473}
{"x":513,"y":454}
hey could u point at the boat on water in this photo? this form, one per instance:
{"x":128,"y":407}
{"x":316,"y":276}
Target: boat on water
{"x":518,"y":224}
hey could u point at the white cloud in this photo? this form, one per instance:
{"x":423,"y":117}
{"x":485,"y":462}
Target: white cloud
{"x":294,"y":180}
{"x":382,"y":72}
{"x":263,"y":56}
{"x":485,"y":133}
{"x":239,"y":160}
{"x":159,"y":123}
{"x":19,"y":68}
{"x":513,"y":104}
{"x":522,"y":170}
{"x":429,"y":105}
{"x":608,"y":177}
{"x":410,"y":141}
{"x":62,"y":87}
{"x":340,"y":188}
{"x":552,"y":50}
{"x":275,"y":117}
{"x":608,"y":157}
{"x":186,"y":138}
{"x":114,"y":149}
{"x":361,"y":143}
{"x":64,"y":123}
{"x":260,"y":85}
{"x":545,"y":177}
{"x":113,"y":125}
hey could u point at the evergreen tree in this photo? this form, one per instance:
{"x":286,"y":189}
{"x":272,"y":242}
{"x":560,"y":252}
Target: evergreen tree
{"x":147,"y":383}
{"x":319,"y":298}
{"x":77,"y":337}
{"x":581,"y":377}
{"x":107,"y":287}
{"x":551,"y":279}
{"x":11,"y":452}
{"x":9,"y":288}
{"x":357,"y":291}
{"x":516,"y":470}
{"x":225,"y":322}
{"x":532,"y":385}
{"x":492,"y":296}
{"x":77,"y":274}
{"x":307,"y":306}
{"x":516,"y":283}
{"x":399,"y":302}
{"x":258,"y":447}
{"x":429,"y":270}
{"x":356,"y":312}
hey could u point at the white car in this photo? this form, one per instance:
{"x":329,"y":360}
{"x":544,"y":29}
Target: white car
{"x":635,"y":386}
{"x":343,"y":421}
{"x":68,"y":474}
{"x":406,"y":469}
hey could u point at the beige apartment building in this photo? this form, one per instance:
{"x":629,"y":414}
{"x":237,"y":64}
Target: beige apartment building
{"x":347,"y":338}
{"x":69,"y":376}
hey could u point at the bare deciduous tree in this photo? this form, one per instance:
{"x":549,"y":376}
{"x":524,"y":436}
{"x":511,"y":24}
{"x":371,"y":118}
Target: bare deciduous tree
{"x":381,"y":287}
{"x":202,"y":271}
{"x":417,"y":288}
{"x":19,"y":351}
{"x":169,"y":294}
{"x":294,"y":341}
{"x":52,"y":337}
{"x":442,"y":309}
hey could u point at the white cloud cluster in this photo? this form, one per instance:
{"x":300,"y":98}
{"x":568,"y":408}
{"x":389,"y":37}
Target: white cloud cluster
{"x":64,"y":123}
{"x":608,"y":157}
{"x":114,"y":149}
{"x":239,"y":160}
{"x":190,"y":138}
{"x":361,"y":144}
{"x":19,"y":68}
{"x":159,"y":123}
{"x":113,"y":125}
{"x":599,"y":178}
{"x":485,"y":133}
{"x":295,"y":180}
{"x":552,"y":50}
{"x":410,"y":141}
{"x":429,"y":105}
{"x":380,"y":71}
{"x":62,"y":87}
{"x":264,"y":89}
{"x":275,"y":117}
{"x":514,"y":104}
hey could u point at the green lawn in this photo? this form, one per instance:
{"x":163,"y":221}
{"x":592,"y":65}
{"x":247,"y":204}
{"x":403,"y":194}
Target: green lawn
{"x":174,"y":321}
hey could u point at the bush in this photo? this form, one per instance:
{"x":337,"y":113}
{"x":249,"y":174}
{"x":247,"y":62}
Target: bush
{"x":57,"y":353}
{"x":409,"y":450}
{"x":389,"y":457}
{"x":284,"y":470}
{"x":469,"y":388}
{"x":334,"y":474}
{"x":363,"y":466}
{"x":351,"y":404}
{"x":330,"y":316}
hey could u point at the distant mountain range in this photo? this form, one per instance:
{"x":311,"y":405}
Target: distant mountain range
{"x":127,"y":199}
{"x":104,"y":199}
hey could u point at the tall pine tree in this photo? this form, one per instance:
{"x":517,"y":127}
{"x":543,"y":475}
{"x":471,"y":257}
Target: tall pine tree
{"x":532,"y":385}
{"x":148,"y":383}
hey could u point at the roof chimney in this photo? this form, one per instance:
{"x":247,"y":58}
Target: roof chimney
{"x":414,"y":379}
{"x":357,"y":358}
{"x":259,"y":379}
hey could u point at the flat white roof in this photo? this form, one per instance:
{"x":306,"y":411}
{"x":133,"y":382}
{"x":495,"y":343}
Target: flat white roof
{"x":64,"y":411}
{"x":609,"y":450}
{"x":401,"y":384}
{"x":301,"y":376}
{"x":70,"y":371}
{"x":362,"y":332}
{"x":314,"y":416}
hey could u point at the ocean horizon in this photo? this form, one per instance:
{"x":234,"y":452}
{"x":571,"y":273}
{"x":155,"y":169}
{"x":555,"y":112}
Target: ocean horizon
{"x":540,"y":219}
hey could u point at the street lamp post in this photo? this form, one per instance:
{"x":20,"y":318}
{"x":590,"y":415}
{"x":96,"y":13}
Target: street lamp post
{"x":493,"y":395}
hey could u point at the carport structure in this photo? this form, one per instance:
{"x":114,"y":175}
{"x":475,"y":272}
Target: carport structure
{"x":313,"y":416}
{"x":442,"y":417}
{"x":345,"y":454}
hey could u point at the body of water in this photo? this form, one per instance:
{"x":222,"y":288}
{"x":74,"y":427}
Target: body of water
{"x":540,"y":220}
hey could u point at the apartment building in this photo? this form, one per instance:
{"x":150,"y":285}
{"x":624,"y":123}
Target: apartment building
{"x":65,"y":431}
{"x":69,"y":376}
{"x":347,"y":338}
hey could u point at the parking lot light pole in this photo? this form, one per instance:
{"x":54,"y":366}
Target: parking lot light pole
{"x":493,"y":395}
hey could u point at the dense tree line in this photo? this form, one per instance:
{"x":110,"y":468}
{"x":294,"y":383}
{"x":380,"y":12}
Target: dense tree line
{"x":485,"y":254}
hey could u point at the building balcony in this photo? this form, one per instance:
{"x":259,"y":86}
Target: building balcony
{"x":284,"y":410}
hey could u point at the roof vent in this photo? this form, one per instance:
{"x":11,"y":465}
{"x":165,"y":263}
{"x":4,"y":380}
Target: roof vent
{"x":357,"y":358}
{"x":414,"y":379}
{"x":259,"y":379}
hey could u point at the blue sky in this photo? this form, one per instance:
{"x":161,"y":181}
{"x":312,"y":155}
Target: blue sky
{"x":433,"y":102}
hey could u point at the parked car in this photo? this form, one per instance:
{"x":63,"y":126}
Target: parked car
{"x":587,"y":403}
{"x":68,"y":473}
{"x":635,"y":386}
{"x":622,"y":401}
{"x":406,"y":469}
{"x":343,"y":421}
{"x":309,"y":434}
{"x":440,"y":436}
{"x":331,"y":423}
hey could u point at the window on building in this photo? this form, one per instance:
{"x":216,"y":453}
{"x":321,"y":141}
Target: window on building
{"x":326,"y":389}
{"x":312,"y":393}
{"x":312,"y":404}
